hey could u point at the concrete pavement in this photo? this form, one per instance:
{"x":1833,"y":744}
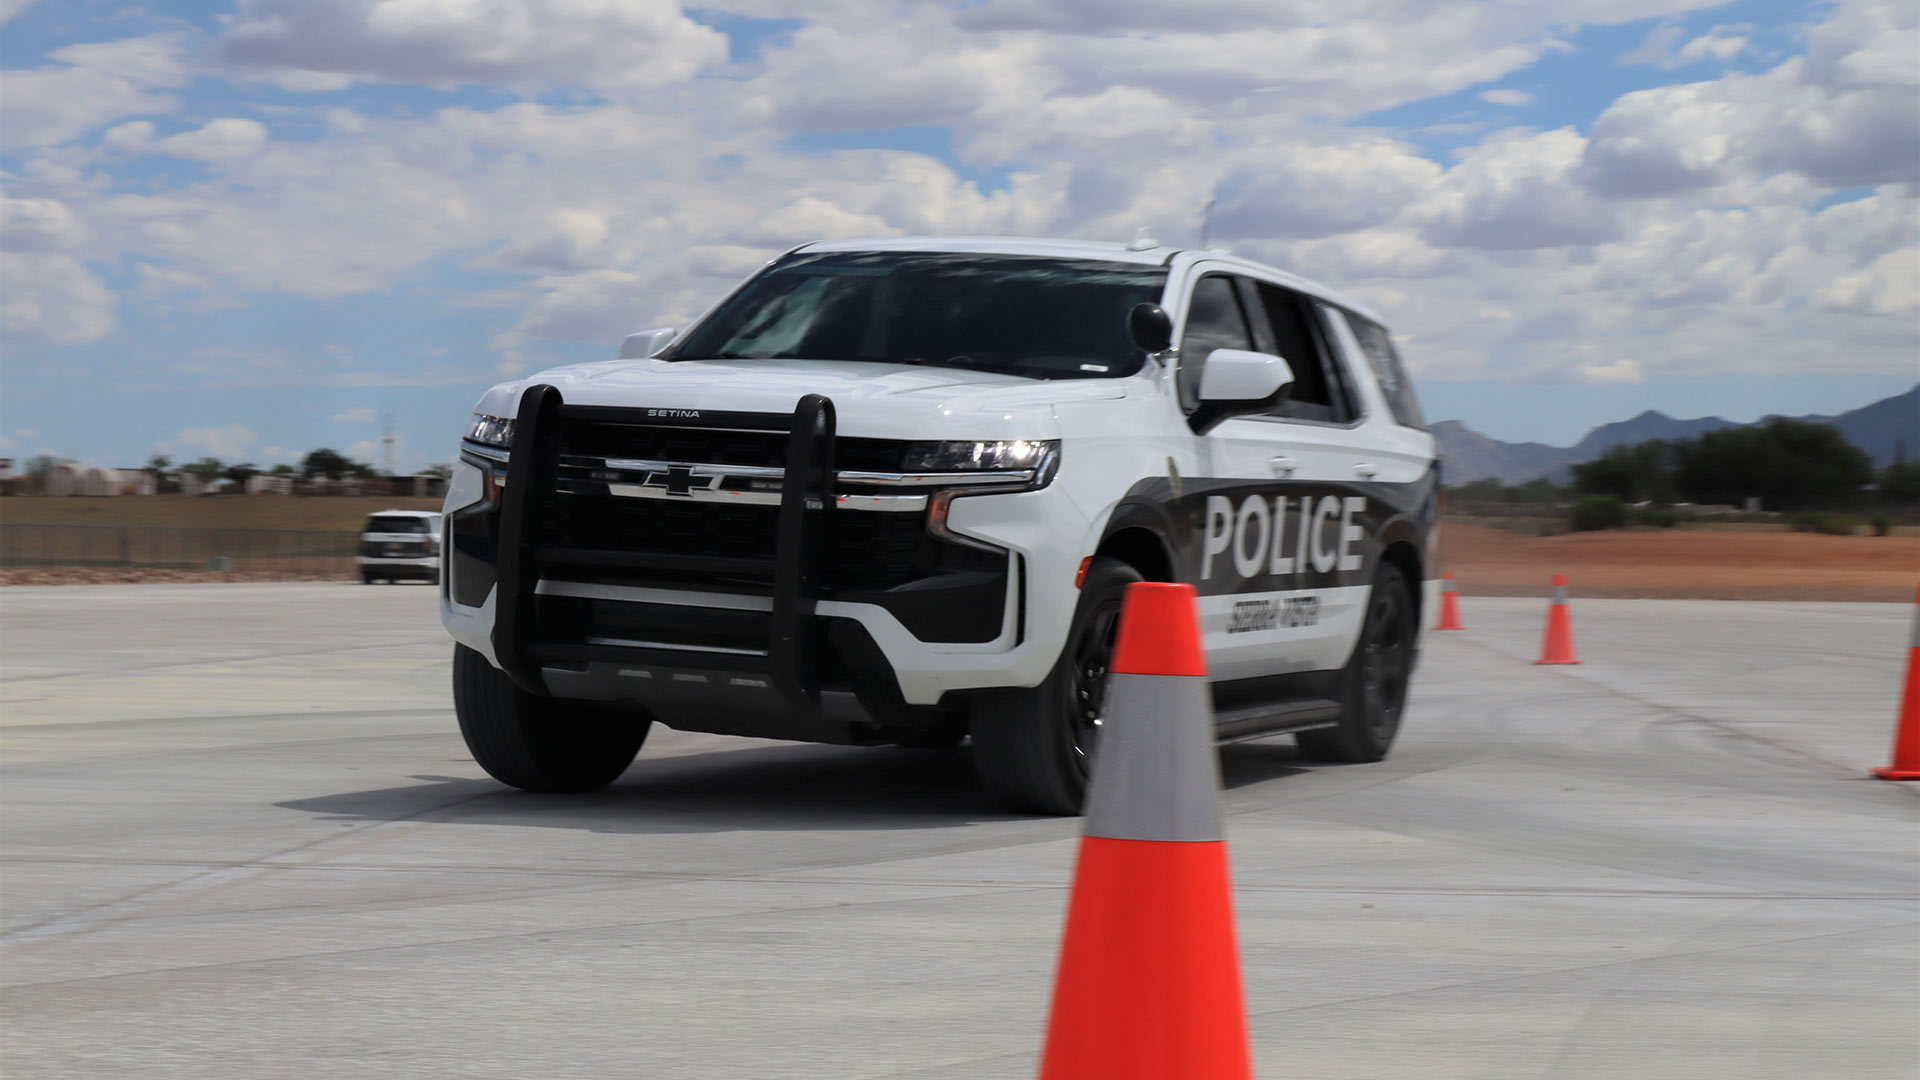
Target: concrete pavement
{"x":240,"y":837}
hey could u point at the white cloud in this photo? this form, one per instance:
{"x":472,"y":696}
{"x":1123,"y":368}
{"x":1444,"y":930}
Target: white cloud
{"x":362,"y":415}
{"x":52,"y":298}
{"x":220,"y":140}
{"x":1516,"y":191}
{"x":11,"y":8}
{"x":231,"y":443}
{"x":1842,"y":116}
{"x":35,"y":224}
{"x":1722,"y":43}
{"x":90,"y":85}
{"x":1505,"y":97}
{"x":320,"y":44}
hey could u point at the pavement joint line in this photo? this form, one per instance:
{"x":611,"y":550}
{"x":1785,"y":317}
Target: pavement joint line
{"x":217,"y":661}
{"x":469,"y":939}
{"x":50,"y":926}
{"x":788,"y":878}
{"x":1625,"y":961}
{"x":347,"y":714}
{"x":1591,"y":678}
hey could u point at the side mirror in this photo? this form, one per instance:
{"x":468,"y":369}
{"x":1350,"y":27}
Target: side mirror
{"x":646,"y":343}
{"x":1236,"y":381}
{"x":1150,"y":327}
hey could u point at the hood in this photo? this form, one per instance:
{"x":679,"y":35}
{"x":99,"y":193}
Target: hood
{"x":870,"y":400}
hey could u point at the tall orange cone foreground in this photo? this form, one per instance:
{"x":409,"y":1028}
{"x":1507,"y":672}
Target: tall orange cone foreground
{"x":1556,"y":646}
{"x":1449,"y":607}
{"x":1149,"y":983}
{"x":1906,"y":736}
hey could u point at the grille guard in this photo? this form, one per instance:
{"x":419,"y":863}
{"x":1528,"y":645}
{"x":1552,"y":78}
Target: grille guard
{"x":806,"y":498}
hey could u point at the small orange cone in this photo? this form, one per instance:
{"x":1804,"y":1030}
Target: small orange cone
{"x":1449,"y":607}
{"x":1556,"y":646}
{"x":1149,"y":982}
{"x":1906,"y":736}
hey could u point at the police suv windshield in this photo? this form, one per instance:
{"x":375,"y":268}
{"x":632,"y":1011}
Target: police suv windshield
{"x":1041,"y":317}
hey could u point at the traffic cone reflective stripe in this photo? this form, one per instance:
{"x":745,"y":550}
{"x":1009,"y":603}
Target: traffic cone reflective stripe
{"x":1449,"y":607}
{"x":1556,"y":645}
{"x":1149,"y":981}
{"x":1906,"y":732}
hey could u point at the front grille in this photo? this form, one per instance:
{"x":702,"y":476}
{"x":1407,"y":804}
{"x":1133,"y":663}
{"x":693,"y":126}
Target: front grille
{"x":868,"y":550}
{"x":761,"y":449}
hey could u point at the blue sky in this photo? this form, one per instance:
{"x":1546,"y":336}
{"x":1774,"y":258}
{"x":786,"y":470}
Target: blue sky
{"x":252,"y":230}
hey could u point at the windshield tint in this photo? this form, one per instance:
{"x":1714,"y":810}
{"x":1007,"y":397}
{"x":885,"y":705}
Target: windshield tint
{"x":1040,"y":317}
{"x":379,"y":524}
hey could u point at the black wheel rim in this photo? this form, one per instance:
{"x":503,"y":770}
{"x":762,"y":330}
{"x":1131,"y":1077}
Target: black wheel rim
{"x":1092,"y":655}
{"x":1387,"y":661}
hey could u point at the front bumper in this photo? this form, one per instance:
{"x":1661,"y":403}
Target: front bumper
{"x":771,"y":648}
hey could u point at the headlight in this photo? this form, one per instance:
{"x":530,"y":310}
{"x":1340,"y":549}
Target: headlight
{"x":491,"y":431}
{"x":1001,"y":455}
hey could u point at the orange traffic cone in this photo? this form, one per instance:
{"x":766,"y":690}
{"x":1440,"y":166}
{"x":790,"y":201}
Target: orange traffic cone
{"x":1906,"y":736}
{"x":1149,"y":982}
{"x":1556,"y":646}
{"x":1449,"y":607}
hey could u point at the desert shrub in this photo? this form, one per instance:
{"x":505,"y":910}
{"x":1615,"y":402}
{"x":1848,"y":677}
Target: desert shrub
{"x":1595,"y":512}
{"x":1882,"y":524}
{"x":1826,"y":522}
{"x":1655,"y":517}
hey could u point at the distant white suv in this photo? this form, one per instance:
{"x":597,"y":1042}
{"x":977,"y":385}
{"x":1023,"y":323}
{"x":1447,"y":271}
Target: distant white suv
{"x":893,"y":491}
{"x":397,"y":544}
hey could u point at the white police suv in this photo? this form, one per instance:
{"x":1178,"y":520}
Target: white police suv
{"x":893,"y":491}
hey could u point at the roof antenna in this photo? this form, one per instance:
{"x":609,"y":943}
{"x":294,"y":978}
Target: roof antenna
{"x":1206,"y":225}
{"x":1143,"y":241}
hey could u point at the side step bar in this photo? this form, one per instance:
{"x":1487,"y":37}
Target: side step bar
{"x":1258,"y":721}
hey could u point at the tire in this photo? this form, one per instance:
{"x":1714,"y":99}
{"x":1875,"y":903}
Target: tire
{"x":1032,"y":749}
{"x":1374,"y":683}
{"x":366,"y":577}
{"x":535,"y":743}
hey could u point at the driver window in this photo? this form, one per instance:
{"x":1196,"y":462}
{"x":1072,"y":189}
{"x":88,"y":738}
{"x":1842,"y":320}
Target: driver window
{"x":1214,"y":321}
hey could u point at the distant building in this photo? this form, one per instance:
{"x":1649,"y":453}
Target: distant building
{"x":270,"y":484}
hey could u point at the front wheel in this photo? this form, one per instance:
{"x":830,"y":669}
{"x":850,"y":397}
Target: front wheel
{"x":1374,"y":683}
{"x":1033,"y":749}
{"x":537,"y":743}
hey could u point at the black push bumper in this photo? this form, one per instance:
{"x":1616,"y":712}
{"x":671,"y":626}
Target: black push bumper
{"x":795,"y":675}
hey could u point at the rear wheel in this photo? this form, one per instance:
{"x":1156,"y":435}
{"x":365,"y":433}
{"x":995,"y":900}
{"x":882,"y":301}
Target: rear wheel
{"x":1033,"y":749}
{"x":536,"y":743}
{"x":1374,"y":682}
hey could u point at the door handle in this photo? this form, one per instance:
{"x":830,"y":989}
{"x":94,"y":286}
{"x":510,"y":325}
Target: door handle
{"x":1366,"y":470}
{"x":1284,"y":465}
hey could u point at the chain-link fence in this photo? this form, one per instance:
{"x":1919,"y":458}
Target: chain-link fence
{"x":304,"y":553}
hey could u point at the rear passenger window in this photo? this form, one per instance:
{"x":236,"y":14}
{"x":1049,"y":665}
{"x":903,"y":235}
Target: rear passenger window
{"x":1214,"y":321}
{"x":1387,"y":369}
{"x":1317,"y":393}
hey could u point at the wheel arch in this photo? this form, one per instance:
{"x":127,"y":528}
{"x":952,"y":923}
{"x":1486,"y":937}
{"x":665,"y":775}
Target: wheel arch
{"x":1141,"y":547}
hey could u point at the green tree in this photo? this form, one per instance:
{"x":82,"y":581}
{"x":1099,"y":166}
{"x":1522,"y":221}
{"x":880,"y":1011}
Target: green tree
{"x":241,"y":472}
{"x":206,"y":470}
{"x":1900,"y":484}
{"x":331,"y":464}
{"x":440,"y":472}
{"x":1788,"y":464}
{"x":162,"y":483}
{"x":284,"y":469}
{"x":1642,"y":472}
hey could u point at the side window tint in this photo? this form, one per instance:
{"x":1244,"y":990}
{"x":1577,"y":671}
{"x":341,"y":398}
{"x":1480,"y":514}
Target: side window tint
{"x":1387,"y":369}
{"x":1316,"y":393}
{"x":1214,"y":321}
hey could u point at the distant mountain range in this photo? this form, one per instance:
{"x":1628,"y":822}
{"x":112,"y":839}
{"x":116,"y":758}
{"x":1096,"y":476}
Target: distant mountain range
{"x":1883,"y":429}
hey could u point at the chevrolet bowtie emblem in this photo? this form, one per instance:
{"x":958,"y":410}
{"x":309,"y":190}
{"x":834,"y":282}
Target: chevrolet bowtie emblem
{"x":680,"y":480}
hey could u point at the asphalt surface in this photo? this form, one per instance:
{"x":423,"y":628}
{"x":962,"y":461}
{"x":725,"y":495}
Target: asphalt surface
{"x":240,"y":837}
